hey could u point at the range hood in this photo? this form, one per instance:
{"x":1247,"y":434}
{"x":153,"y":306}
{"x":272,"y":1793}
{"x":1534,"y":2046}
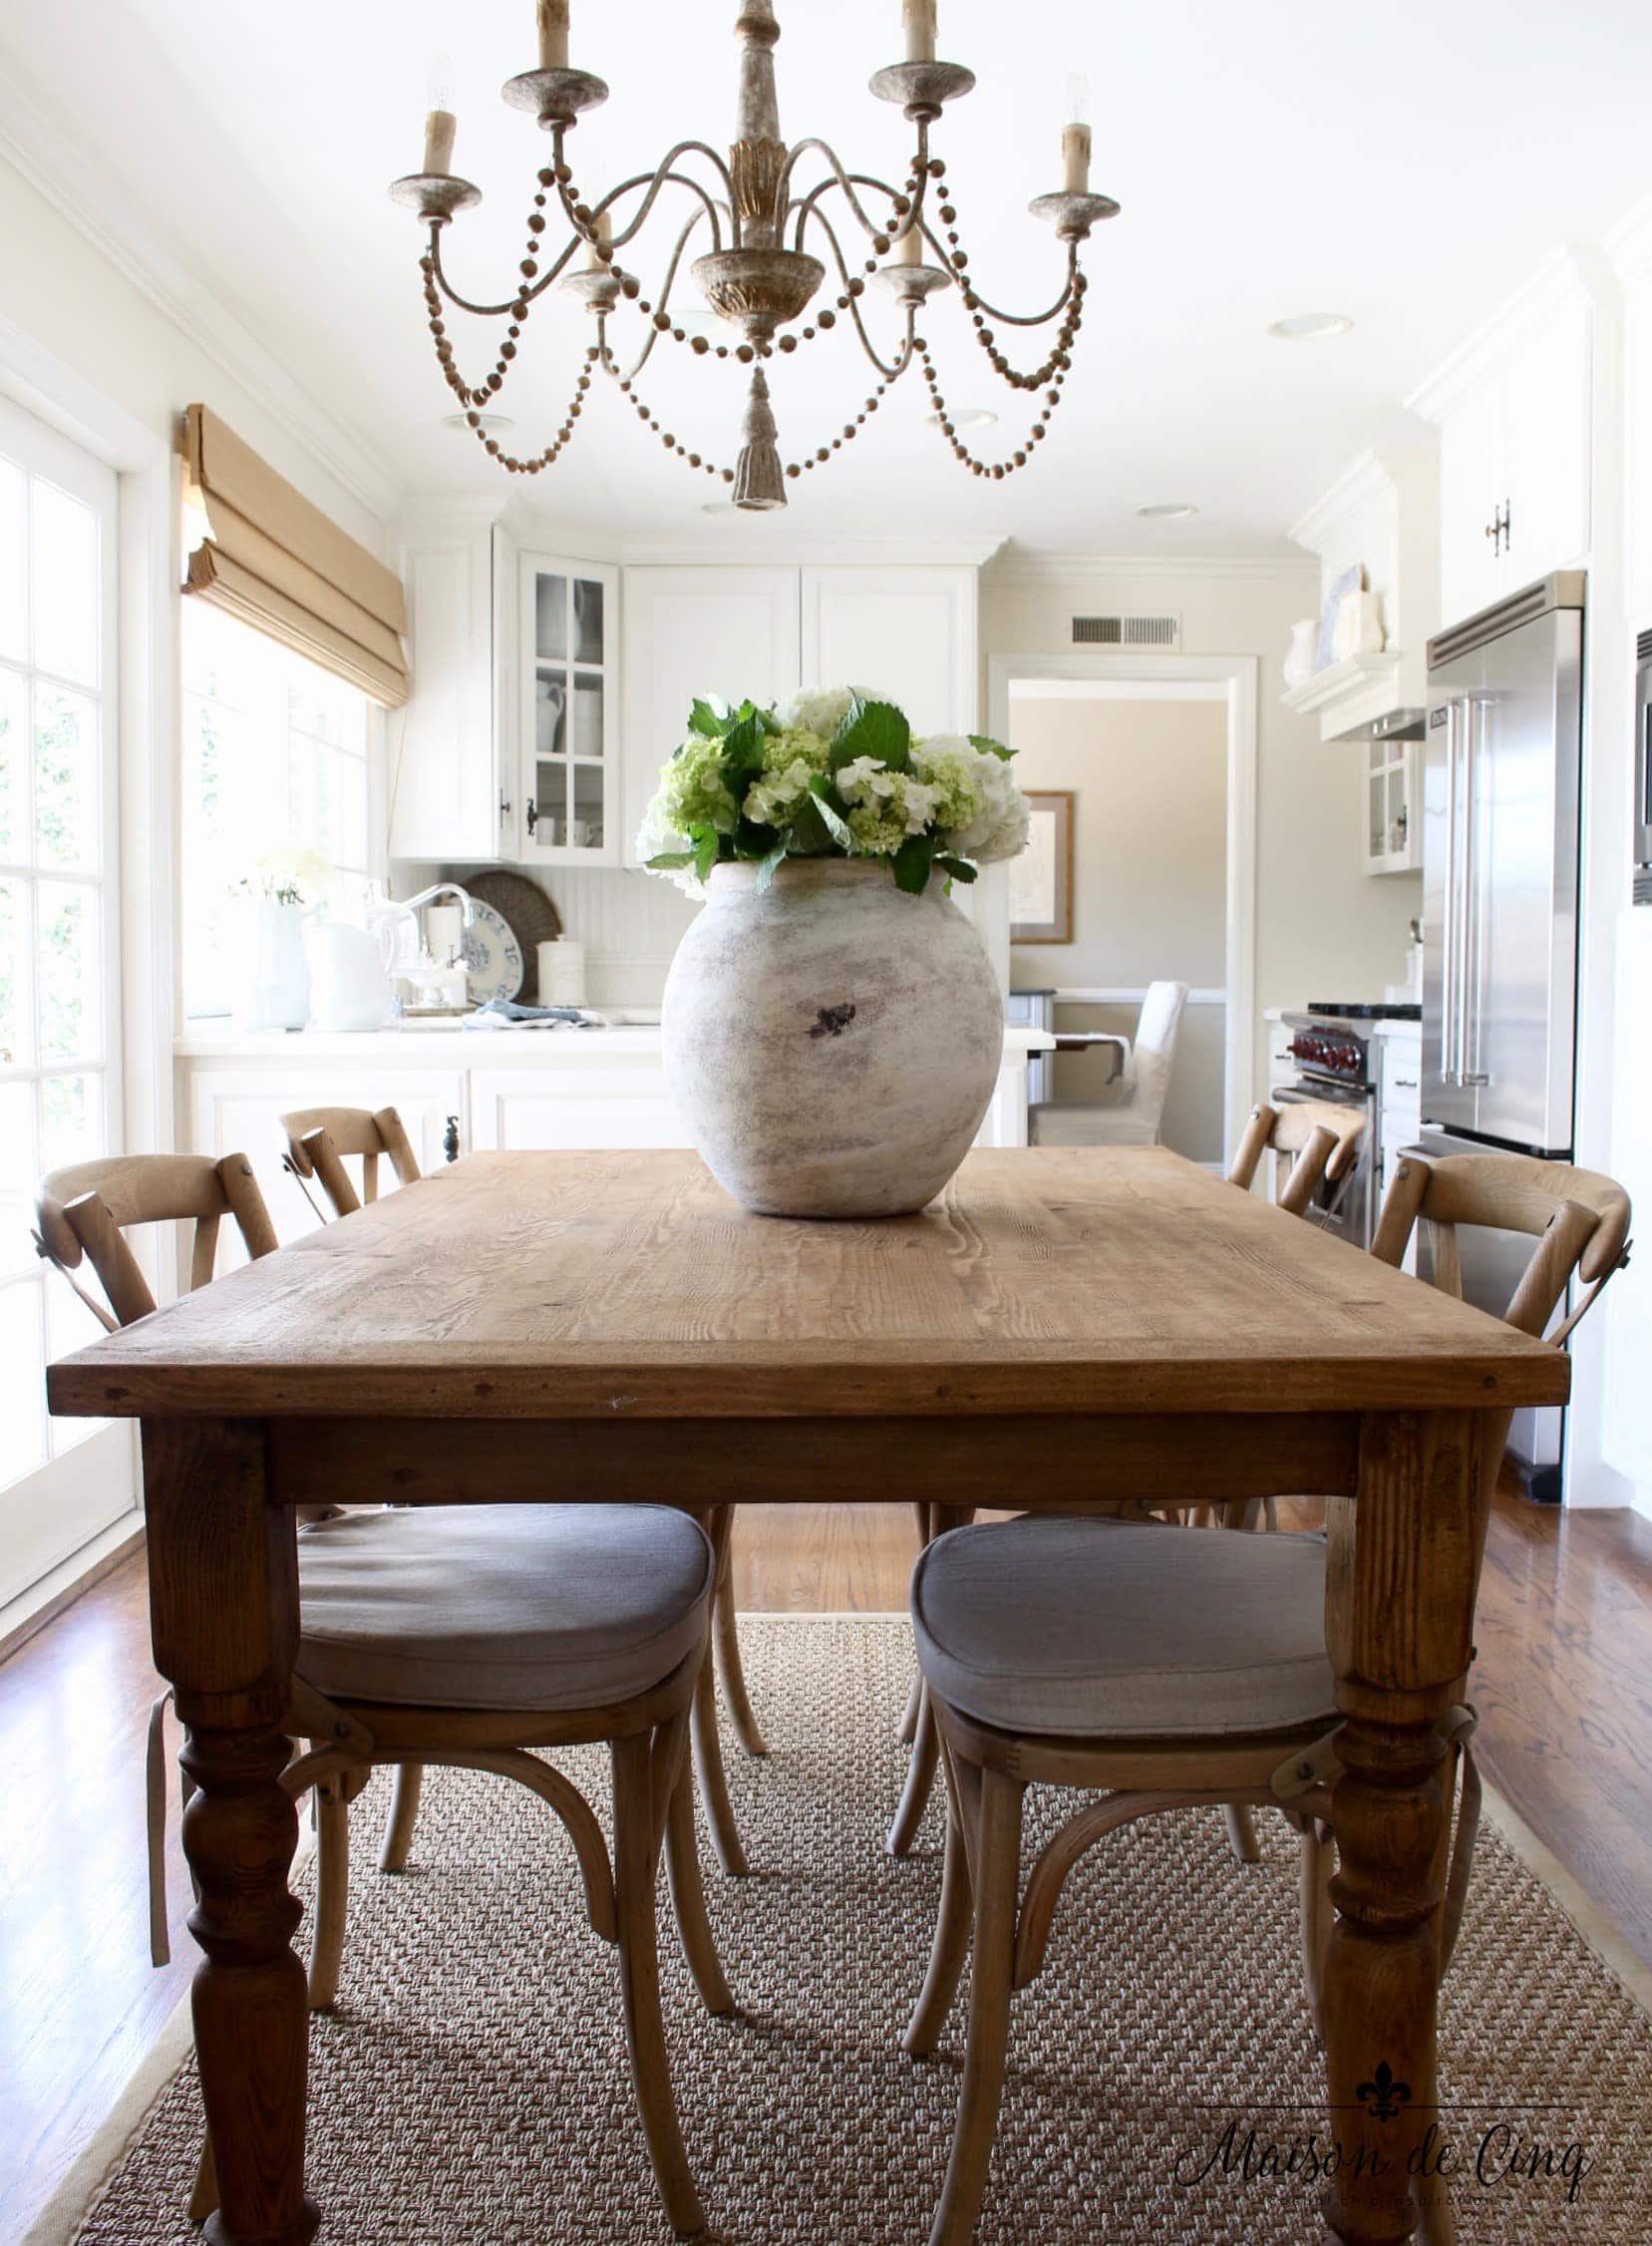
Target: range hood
{"x":1407,"y":722}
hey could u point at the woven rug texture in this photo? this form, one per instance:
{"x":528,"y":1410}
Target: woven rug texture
{"x":471,"y":2085}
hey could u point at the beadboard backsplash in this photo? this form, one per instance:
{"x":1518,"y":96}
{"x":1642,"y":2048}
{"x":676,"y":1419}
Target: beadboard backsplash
{"x":629,"y":922}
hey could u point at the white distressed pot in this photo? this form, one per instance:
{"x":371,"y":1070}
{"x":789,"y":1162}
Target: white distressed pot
{"x":832,"y":1042}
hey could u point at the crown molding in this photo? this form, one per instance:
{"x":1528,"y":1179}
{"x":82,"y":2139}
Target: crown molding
{"x":734,"y":546}
{"x":1382,"y":468}
{"x":45,"y":146}
{"x":1568,"y":277}
{"x":1026,"y":567}
{"x":1629,"y":245}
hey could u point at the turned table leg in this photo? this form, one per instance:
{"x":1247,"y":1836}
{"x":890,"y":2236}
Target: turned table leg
{"x":1403,"y":1567}
{"x":224,"y":1599}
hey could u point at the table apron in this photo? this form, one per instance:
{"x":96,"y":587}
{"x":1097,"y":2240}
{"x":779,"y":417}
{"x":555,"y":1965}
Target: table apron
{"x":1025,"y":1462}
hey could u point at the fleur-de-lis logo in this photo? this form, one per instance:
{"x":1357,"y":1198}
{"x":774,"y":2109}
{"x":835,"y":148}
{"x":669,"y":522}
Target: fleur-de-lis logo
{"x":1384,"y":2096}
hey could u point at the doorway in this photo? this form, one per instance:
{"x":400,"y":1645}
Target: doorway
{"x":1153,"y":759}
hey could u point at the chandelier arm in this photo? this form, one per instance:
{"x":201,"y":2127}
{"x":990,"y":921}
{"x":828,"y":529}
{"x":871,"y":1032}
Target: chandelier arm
{"x":848,"y":181}
{"x":655,"y":331}
{"x":494,"y":311}
{"x":1020,"y":319}
{"x":889,"y":374}
{"x":654,"y":180}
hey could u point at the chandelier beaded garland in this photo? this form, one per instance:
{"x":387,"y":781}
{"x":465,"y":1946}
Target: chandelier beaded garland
{"x":750,"y":275}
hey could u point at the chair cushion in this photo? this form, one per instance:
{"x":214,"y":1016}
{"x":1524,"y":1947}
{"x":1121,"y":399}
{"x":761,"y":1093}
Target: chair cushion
{"x":1113,"y":1630}
{"x":500,"y":1606}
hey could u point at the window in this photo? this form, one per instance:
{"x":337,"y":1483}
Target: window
{"x":275,"y":760}
{"x":61,"y":1481}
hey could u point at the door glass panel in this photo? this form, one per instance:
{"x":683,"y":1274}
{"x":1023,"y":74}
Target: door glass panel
{"x":585,"y":828}
{"x":551,"y":802}
{"x":14,"y":562}
{"x":22,"y":1391}
{"x":587,"y":714}
{"x":63,"y":585}
{"x":66,"y":778}
{"x":14,"y":738}
{"x":69,"y":970}
{"x":16,"y":1015}
{"x":551,"y":618}
{"x":19,"y":1170}
{"x":551,"y":695}
{"x":587,"y":620}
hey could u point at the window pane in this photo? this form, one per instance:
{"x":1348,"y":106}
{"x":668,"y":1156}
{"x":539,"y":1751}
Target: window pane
{"x":16,"y":1015}
{"x":20,"y":1167}
{"x":551,"y":694}
{"x":22,"y":1384}
{"x":70,"y":1325}
{"x":66,"y":778}
{"x":587,"y":620}
{"x":550,"y":617}
{"x":66,"y":952}
{"x":14,"y":551}
{"x":64,"y":580}
{"x":14,"y":777}
{"x":71,"y":1120}
{"x":587,"y":715}
{"x":586,"y":828}
{"x":350,"y":784}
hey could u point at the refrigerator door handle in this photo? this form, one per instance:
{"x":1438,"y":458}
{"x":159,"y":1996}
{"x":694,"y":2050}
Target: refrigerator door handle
{"x":1470,"y":1041}
{"x":1448,"y":943}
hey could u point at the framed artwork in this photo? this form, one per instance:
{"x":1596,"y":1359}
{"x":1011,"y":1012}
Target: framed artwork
{"x":1041,"y":878}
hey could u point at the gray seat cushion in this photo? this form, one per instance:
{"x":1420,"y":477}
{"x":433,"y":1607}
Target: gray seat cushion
{"x":500,"y":1606}
{"x":1110,"y":1630}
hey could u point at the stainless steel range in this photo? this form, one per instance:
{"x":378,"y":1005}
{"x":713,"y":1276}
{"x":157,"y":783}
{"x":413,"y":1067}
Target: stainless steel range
{"x":1332,"y":1046}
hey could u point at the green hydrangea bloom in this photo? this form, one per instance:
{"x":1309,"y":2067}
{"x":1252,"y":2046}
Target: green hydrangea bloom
{"x":692,"y":791}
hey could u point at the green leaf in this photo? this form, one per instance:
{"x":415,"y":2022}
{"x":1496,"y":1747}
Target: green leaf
{"x":809,"y":836}
{"x":706,"y":854}
{"x":769,"y":865}
{"x":873,"y":728}
{"x":959,"y":869}
{"x":837,"y":825}
{"x":985,"y":743}
{"x":669,"y":861}
{"x":704,"y":719}
{"x":912,"y":863}
{"x":753,"y":839}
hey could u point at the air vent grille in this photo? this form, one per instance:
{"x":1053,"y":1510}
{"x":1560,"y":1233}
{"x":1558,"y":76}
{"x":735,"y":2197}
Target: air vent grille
{"x":1126,"y":631}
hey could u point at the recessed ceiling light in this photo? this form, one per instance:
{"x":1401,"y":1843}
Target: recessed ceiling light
{"x":718,"y":507}
{"x":489,"y":422}
{"x":1167,"y":511}
{"x":964,"y":417}
{"x":1310,"y":327}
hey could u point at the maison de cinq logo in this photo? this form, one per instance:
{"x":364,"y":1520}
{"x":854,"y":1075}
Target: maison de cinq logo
{"x":1509,"y":2151}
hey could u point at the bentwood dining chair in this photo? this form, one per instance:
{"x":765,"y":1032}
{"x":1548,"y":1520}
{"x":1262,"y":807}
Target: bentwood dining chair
{"x":1310,"y":1140}
{"x":429,"y":1638}
{"x":1177,"y":1672}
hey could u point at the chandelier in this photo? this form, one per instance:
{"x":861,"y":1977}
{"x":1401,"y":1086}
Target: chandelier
{"x":757,"y":222}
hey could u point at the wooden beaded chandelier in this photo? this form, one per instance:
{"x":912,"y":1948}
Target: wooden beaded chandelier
{"x":757,"y":218}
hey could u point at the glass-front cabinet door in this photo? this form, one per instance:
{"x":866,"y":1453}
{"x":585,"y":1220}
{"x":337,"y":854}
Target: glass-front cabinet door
{"x":569,"y":734}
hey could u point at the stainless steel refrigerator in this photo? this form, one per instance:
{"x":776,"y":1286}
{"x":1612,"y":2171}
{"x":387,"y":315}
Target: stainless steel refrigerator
{"x":1502,"y":758}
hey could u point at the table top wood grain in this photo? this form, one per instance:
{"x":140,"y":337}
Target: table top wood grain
{"x":1047,"y":1280}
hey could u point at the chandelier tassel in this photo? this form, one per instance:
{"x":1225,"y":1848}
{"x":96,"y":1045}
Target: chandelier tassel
{"x":759,"y":479}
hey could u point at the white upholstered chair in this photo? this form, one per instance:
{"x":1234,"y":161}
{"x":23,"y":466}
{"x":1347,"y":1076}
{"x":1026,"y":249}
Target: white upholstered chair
{"x":1133,"y":1112}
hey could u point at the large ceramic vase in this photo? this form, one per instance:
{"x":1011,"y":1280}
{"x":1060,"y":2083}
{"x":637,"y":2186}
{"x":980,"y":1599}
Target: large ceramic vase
{"x":832,"y":1042}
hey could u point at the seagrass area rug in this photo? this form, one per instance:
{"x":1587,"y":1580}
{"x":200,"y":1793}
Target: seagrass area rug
{"x":472,"y":2086}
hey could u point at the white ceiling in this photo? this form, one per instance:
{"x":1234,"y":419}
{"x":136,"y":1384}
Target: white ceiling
{"x":1408,"y":165}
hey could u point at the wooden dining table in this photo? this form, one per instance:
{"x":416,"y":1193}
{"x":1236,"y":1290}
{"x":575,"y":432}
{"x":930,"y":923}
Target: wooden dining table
{"x":1064,"y":1324}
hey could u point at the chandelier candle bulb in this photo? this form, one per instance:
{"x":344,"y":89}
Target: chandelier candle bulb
{"x":553,"y":34}
{"x":440,"y":128}
{"x":918,"y":20}
{"x":1075,"y":156}
{"x":603,"y":226}
{"x":909,"y":250}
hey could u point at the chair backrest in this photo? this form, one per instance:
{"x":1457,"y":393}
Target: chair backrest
{"x":1578,"y":1218}
{"x":1157,"y":1030}
{"x":1323,"y":1137}
{"x":86,"y":1210}
{"x":318,"y":1139}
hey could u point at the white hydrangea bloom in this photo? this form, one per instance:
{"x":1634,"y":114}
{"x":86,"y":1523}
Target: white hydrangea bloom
{"x":652,"y":839}
{"x":769,"y":800}
{"x":986,"y":810}
{"x":864,"y":776}
{"x":821,"y":708}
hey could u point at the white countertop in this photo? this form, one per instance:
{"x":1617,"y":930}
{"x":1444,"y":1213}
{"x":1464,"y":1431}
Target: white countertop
{"x":451,"y":1044}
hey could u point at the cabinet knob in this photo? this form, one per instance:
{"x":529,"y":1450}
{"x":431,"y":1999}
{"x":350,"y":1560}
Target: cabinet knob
{"x":505,"y":806}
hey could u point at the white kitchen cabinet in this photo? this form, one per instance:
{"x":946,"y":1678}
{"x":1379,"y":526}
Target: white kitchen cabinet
{"x":567,"y":711}
{"x":1399,"y":1047}
{"x":449,"y":754}
{"x":1515,"y":460}
{"x":696,"y":631}
{"x":1392,"y":834}
{"x":910,"y":633}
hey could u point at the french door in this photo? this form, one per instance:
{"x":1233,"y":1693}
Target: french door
{"x":62,"y":1482}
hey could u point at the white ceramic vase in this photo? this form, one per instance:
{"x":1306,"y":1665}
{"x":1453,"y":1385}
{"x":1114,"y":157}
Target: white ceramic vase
{"x":275,"y":971}
{"x":832,"y":1042}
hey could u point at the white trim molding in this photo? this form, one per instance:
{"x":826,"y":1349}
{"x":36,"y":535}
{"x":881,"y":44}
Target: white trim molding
{"x":1236,"y":676}
{"x":1025,"y":565}
{"x":1566,"y":278}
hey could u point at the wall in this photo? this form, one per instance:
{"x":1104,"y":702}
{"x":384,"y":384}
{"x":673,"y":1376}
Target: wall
{"x":1150,"y":870}
{"x":1324,"y":929}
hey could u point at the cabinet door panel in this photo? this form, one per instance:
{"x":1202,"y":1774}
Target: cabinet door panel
{"x":696,"y":631}
{"x":443,"y":771}
{"x":567,"y":1110}
{"x":1549,"y":449}
{"x":1473,"y":479}
{"x":908,"y":633}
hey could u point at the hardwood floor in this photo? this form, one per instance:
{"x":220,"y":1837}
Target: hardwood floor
{"x":1564,"y":1686}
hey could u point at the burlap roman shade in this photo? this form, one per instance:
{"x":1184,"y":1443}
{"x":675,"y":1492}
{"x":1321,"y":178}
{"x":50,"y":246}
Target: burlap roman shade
{"x":278,"y":563}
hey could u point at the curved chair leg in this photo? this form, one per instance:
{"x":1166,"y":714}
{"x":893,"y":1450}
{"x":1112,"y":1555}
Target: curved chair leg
{"x":688,"y":1899}
{"x":1241,"y":1833}
{"x":332,"y":1899}
{"x":949,"y":1948}
{"x":713,"y":1781}
{"x":998,"y":1872}
{"x":204,"y":2199}
{"x":920,"y":1780}
{"x":726,"y":1630}
{"x":636,"y":1865}
{"x":404,"y":1814}
{"x":909,"y":1730}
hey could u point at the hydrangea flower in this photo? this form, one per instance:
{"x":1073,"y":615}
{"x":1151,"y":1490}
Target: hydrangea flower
{"x":979,"y":807}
